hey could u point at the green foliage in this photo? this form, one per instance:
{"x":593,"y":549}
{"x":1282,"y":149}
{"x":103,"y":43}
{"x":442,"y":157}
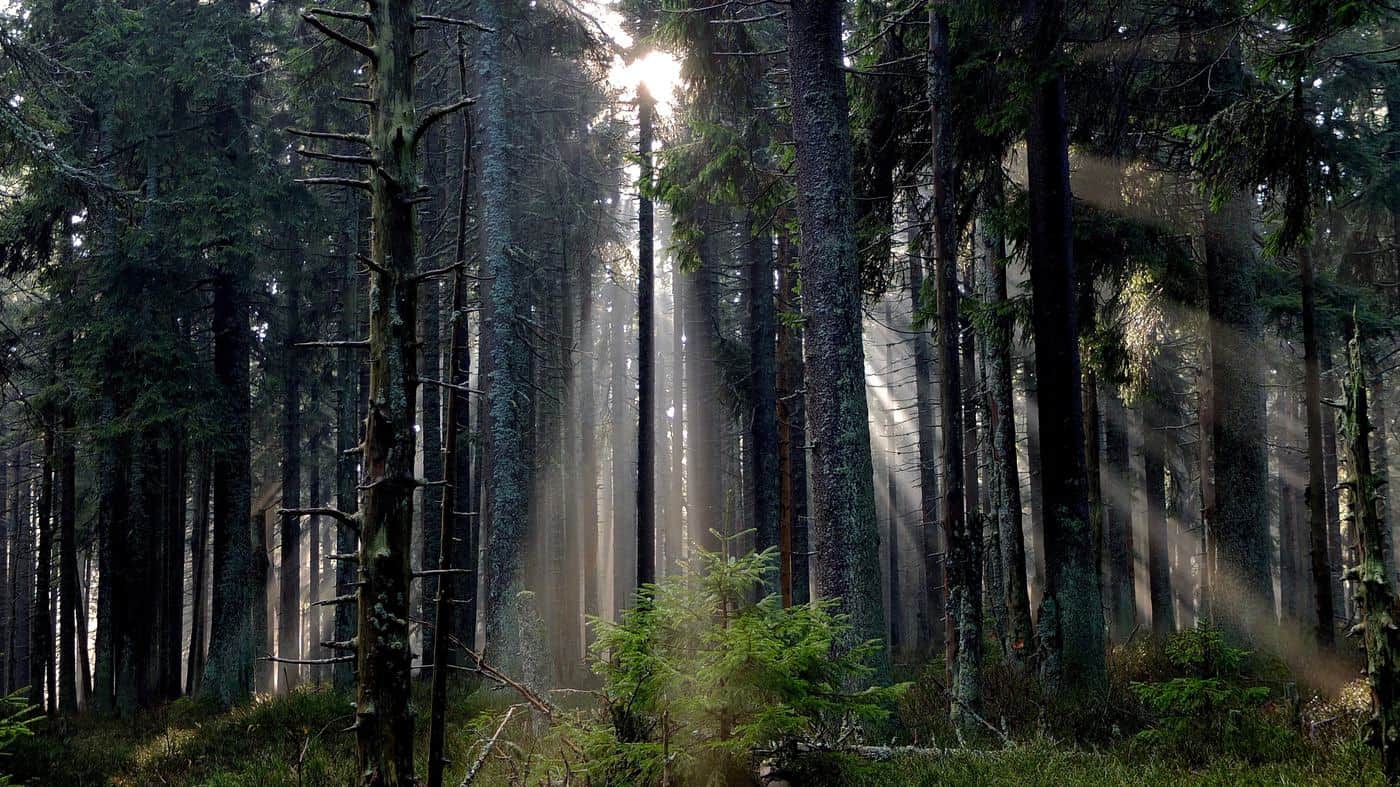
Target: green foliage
{"x":304,"y":739}
{"x":700,"y":673}
{"x":1210,"y":706}
{"x":17,"y":720}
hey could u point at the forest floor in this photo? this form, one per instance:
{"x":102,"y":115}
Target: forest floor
{"x":302,"y":741}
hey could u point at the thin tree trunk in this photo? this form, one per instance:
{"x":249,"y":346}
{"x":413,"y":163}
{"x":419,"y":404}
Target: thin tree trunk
{"x":311,"y":630}
{"x":448,"y":522}
{"x":1118,"y":521}
{"x":961,"y":533}
{"x":199,"y":577}
{"x":1004,"y":469}
{"x":646,"y":354}
{"x":1325,"y":631}
{"x":289,"y":575}
{"x":676,"y":527}
{"x":348,"y":394}
{"x":71,"y":606}
{"x":1158,"y":537}
{"x":762,"y":447}
{"x":467,"y":533}
{"x":792,"y":425}
{"x":41,"y":625}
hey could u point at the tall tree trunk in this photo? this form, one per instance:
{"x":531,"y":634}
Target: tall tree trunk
{"x":228,"y":673}
{"x":311,"y":630}
{"x":347,"y":406}
{"x":1118,"y":521}
{"x":1158,"y":537}
{"x":622,"y":443}
{"x":928,"y":456}
{"x":961,"y":533}
{"x":1004,"y":471}
{"x":71,"y":602}
{"x":1325,"y":630}
{"x":792,"y":434}
{"x":199,"y":572}
{"x":588,"y":449}
{"x":1036,"y":481}
{"x":9,"y":483}
{"x":763,"y":473}
{"x":467,"y":532}
{"x":447,"y":527}
{"x":1242,"y":585}
{"x":1375,"y":597}
{"x":675,"y":537}
{"x":289,"y":575}
{"x":704,"y":427}
{"x":1244,"y":590}
{"x":103,"y":702}
{"x":887,"y":453}
{"x":173,"y":496}
{"x":431,"y":368}
{"x":1071,"y":611}
{"x":646,"y":354}
{"x":383,"y":717}
{"x":844,"y":535}
{"x":513,"y":642}
{"x":41,"y":625}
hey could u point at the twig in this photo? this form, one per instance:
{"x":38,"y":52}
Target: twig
{"x":332,"y":660}
{"x":486,"y":750}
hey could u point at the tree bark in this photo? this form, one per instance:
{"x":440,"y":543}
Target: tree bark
{"x":71,"y":602}
{"x":928,"y":460}
{"x":1004,"y":472}
{"x":1158,"y":537}
{"x":1325,"y":630}
{"x":512,"y":642}
{"x":199,"y":573}
{"x":289,"y":574}
{"x":792,"y":437}
{"x":1118,"y":525}
{"x":961,"y":532}
{"x":646,"y":354}
{"x":228,"y":673}
{"x":1375,"y":598}
{"x":763,"y":474}
{"x":1074,"y":656}
{"x":844,"y":535}
{"x":40,"y":624}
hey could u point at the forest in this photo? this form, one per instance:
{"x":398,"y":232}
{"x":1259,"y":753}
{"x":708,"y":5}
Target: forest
{"x":405,"y":393}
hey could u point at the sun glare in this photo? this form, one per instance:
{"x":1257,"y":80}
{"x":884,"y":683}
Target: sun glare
{"x":658,"y":70}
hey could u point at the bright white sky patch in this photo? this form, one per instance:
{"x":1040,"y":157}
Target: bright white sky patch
{"x":658,"y":70}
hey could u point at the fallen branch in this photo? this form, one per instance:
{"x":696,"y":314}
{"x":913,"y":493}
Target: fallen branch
{"x":332,"y":660}
{"x":486,"y":750}
{"x":486,"y":670}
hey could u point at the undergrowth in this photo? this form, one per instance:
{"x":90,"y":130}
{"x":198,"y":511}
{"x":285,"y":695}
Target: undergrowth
{"x":723,"y":703}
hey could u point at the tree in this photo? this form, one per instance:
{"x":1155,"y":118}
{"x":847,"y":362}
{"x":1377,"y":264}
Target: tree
{"x":1073,"y":654}
{"x":962,"y":536}
{"x":646,"y":355}
{"x":228,"y":673}
{"x":843,"y":527}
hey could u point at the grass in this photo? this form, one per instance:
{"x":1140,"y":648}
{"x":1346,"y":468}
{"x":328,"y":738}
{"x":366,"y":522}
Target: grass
{"x":302,"y":740}
{"x":1044,"y":763}
{"x":296,"y":741}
